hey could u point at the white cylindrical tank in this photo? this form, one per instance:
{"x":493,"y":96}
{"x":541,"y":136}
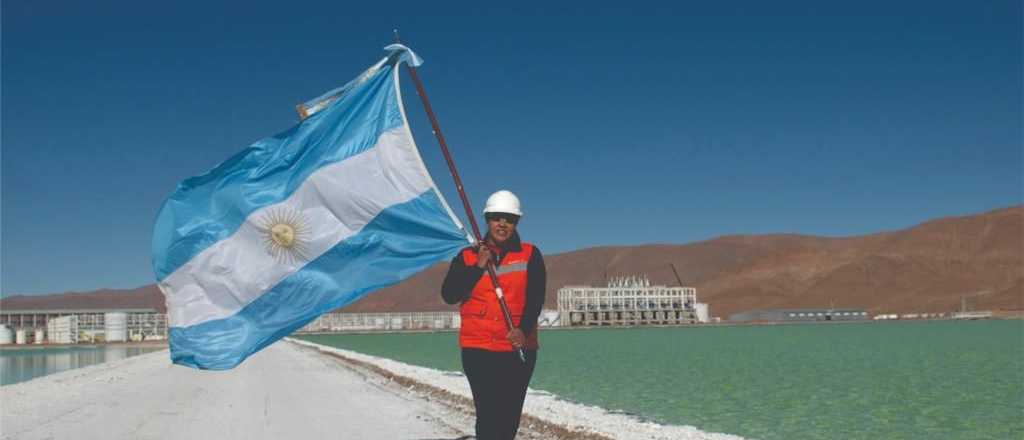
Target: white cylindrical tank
{"x":40,"y":336}
{"x":703,"y":313}
{"x":63,"y":330}
{"x":116,"y":326}
{"x":6,"y":335}
{"x":20,"y":336}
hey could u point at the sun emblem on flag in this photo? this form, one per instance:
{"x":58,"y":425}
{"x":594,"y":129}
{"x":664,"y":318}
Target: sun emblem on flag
{"x":285,"y":234}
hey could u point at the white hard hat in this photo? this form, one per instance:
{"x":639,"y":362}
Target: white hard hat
{"x":503,"y":201}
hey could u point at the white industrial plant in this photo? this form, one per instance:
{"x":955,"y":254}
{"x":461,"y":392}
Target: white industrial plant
{"x":401,"y":321}
{"x":77,"y":326}
{"x":626,"y":301}
{"x":630,"y":301}
{"x":335,"y":322}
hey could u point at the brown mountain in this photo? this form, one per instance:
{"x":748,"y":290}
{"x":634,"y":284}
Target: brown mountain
{"x":145,"y":297}
{"x":926,"y":268}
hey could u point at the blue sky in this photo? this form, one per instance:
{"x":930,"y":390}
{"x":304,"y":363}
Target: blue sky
{"x":625,"y":124}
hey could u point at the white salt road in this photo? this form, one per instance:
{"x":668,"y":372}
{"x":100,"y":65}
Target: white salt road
{"x":285,"y":391}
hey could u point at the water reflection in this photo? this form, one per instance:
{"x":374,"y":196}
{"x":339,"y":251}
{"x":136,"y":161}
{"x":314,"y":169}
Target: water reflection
{"x":19,"y":365}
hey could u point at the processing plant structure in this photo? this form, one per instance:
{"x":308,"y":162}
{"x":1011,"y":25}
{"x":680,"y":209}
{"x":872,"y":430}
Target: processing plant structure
{"x":630,"y":301}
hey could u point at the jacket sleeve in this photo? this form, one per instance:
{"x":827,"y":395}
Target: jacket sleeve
{"x":536,"y":283}
{"x":459,"y":281}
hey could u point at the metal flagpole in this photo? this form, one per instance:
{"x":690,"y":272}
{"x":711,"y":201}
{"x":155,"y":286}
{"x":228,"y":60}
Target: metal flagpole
{"x":462,"y":194}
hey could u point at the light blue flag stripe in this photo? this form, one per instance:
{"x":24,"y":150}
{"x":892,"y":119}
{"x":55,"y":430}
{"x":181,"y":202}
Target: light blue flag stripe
{"x":208,"y":208}
{"x":400,"y":241}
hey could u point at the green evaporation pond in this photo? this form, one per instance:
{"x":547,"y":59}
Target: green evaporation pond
{"x":903,"y":380}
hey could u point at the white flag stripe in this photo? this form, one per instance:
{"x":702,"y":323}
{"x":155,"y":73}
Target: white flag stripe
{"x":225,"y":277}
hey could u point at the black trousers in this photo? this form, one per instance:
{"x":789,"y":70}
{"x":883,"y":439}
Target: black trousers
{"x":498,"y":380}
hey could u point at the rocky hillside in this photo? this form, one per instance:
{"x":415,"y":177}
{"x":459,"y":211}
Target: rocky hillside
{"x":926,"y":268}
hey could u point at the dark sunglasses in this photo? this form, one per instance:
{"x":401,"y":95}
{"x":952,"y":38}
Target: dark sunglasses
{"x":499,"y":216}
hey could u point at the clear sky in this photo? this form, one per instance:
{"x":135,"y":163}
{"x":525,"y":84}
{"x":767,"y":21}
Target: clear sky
{"x":622,"y":124}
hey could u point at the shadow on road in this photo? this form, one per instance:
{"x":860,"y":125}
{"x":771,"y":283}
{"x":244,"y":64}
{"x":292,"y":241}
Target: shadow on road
{"x":465,"y":437}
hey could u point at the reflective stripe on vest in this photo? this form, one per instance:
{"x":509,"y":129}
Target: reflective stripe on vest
{"x":518,"y":267}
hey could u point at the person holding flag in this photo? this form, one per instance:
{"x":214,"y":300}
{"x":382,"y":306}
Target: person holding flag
{"x":498,"y":378}
{"x":300,"y":223}
{"x":322,"y":214}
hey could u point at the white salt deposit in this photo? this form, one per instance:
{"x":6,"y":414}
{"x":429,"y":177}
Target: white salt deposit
{"x":542,"y":405}
{"x":282,"y":392}
{"x":288,"y":390}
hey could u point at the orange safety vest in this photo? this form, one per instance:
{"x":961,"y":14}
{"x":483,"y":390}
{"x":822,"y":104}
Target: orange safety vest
{"x":483,"y":325}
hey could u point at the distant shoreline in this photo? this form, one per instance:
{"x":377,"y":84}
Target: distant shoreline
{"x":161,"y":343}
{"x":997,"y":315}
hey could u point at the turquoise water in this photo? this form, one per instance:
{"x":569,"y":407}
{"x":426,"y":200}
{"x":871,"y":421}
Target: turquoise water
{"x":21,"y":364}
{"x":909,"y":380}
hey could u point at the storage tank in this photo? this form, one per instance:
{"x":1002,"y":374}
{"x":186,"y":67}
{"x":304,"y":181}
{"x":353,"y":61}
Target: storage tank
{"x":6,"y":335}
{"x":19,"y":336}
{"x":40,"y":336}
{"x":116,"y":326}
{"x":703,"y":313}
{"x":63,"y":330}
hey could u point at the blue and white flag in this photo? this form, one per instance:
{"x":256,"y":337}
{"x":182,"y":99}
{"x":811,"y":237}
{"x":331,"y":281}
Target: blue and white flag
{"x":300,"y":223}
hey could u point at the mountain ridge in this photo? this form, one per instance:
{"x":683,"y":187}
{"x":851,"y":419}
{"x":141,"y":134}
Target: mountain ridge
{"x":924,"y":268}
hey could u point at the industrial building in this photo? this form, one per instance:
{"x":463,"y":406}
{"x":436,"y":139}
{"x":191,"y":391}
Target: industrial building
{"x":393,"y":321}
{"x":70,"y":326}
{"x":800,"y":315}
{"x":401,"y":321}
{"x":630,"y":301}
{"x":89,"y":325}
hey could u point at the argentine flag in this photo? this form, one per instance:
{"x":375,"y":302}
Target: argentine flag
{"x":300,"y":223}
